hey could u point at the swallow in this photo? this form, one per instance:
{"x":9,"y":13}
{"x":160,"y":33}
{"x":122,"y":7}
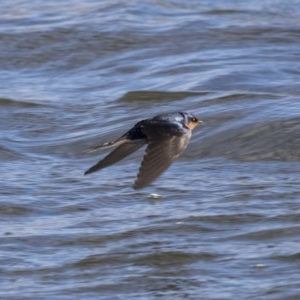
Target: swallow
{"x":166,"y":137}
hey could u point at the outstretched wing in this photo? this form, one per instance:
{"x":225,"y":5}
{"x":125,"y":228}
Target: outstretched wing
{"x":116,"y":155}
{"x":127,"y":144}
{"x":159,"y":155}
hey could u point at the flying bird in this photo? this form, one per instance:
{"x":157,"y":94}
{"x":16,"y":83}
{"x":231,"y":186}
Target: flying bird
{"x":166,"y":135}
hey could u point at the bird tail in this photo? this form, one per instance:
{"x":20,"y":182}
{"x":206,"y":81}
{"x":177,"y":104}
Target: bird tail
{"x":115,"y":143}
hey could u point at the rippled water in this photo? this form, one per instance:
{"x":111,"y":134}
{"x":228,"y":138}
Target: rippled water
{"x":75,"y":74}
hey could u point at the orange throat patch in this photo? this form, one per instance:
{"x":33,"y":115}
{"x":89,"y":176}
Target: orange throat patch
{"x":192,"y":125}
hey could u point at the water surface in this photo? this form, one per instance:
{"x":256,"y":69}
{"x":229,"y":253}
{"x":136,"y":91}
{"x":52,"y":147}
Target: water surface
{"x":76,"y":74}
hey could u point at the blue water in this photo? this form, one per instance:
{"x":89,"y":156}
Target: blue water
{"x":222,"y":222}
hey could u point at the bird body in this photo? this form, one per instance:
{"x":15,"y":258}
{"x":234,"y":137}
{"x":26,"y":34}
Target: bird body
{"x":166,"y":135}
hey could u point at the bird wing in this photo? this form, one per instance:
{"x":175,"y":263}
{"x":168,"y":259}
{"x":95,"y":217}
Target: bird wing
{"x":119,"y":153}
{"x":159,"y":155}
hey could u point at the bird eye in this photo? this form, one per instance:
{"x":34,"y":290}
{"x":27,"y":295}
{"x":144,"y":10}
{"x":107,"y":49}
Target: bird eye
{"x":194,"y":120}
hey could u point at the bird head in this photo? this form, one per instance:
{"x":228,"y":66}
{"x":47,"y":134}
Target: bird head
{"x":191,"y":121}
